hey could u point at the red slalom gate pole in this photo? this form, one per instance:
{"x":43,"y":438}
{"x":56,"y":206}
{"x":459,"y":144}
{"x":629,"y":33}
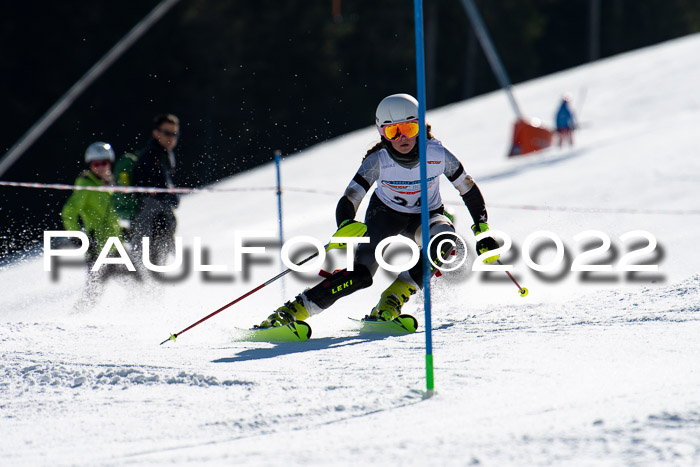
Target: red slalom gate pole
{"x":286,"y":271}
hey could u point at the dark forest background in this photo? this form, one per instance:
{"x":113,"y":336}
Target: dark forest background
{"x":249,"y":77}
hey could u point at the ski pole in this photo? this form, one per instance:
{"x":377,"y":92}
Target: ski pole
{"x":286,"y":271}
{"x":523,"y":291}
{"x":352,"y":229}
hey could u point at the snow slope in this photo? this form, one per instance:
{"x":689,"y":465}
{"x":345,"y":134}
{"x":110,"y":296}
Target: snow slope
{"x":590,"y":368}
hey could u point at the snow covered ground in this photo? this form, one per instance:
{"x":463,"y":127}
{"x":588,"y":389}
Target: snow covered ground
{"x":591,"y":368}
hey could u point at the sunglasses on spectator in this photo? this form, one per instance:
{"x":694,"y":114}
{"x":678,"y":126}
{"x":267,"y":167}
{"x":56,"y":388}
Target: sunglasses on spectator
{"x":167,"y":133}
{"x":100,"y":163}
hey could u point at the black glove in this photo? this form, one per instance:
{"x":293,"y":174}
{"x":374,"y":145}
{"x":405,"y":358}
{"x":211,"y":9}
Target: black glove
{"x":486,"y":243}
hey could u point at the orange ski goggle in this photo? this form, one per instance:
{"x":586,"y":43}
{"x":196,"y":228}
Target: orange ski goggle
{"x":394,"y":131}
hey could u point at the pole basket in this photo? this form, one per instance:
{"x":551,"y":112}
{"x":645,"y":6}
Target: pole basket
{"x":529,"y":136}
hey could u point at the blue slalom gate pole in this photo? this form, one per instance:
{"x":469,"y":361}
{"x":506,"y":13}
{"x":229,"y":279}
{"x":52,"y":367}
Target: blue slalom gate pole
{"x":424,"y":209}
{"x":278,"y":158}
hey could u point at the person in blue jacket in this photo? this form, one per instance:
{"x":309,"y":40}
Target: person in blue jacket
{"x":565,"y":121}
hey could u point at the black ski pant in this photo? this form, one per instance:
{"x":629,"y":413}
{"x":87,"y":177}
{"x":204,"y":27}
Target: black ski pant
{"x":382,"y":222}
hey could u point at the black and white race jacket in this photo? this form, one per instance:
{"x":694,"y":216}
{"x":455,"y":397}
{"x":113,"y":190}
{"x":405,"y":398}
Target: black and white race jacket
{"x":399,"y":187}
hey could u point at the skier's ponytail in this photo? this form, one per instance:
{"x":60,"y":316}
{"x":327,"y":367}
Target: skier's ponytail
{"x":374,"y":148}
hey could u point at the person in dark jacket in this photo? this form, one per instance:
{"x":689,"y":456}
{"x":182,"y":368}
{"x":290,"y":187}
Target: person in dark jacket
{"x":155,"y":167}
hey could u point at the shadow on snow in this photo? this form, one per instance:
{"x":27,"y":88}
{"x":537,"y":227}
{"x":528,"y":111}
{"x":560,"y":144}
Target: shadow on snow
{"x":286,"y":348}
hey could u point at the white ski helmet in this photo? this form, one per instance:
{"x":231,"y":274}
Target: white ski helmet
{"x":397,"y":108}
{"x":99,"y":151}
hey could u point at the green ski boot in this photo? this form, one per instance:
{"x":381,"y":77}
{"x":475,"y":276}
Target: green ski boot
{"x":391,"y":301}
{"x":290,"y":311}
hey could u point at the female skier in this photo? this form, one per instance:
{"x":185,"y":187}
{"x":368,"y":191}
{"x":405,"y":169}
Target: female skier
{"x":394,"y":209}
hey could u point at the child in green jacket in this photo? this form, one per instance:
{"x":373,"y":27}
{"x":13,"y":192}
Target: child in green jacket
{"x":92,"y":211}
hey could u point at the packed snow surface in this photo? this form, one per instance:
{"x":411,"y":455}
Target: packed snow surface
{"x":590,"y":368}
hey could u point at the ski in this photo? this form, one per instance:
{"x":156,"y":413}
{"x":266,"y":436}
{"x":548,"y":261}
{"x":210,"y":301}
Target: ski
{"x":297,"y":331}
{"x":403,"y":324}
